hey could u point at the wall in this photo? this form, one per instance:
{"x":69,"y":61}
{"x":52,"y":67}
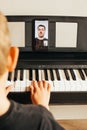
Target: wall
{"x":44,"y":7}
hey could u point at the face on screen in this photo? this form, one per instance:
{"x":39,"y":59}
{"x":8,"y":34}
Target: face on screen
{"x":41,"y":31}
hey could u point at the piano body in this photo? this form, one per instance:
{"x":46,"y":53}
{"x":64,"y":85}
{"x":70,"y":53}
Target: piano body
{"x":65,"y":67}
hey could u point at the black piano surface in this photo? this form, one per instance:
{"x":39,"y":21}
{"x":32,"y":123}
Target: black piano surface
{"x":60,"y":58}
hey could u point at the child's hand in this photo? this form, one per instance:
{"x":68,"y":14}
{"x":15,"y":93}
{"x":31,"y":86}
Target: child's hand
{"x":40,"y":93}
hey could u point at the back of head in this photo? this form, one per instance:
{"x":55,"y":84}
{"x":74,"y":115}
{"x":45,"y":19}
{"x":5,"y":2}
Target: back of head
{"x":4,"y":43}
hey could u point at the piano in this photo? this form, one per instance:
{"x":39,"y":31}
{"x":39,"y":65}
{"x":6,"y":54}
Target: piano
{"x":63,"y":64}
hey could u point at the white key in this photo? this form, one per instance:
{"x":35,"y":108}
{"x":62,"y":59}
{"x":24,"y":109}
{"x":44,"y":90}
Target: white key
{"x":50,"y":81}
{"x":17,"y":82}
{"x":54,"y":73}
{"x":56,"y":83}
{"x":78,"y":80}
{"x":62,"y":81}
{"x":66,"y":82}
{"x":84,"y":83}
{"x":40,"y":75}
{"x":23,"y":83}
{"x":28,"y":82}
{"x":72,"y":82}
{"x":34,"y":75}
{"x":59,"y":84}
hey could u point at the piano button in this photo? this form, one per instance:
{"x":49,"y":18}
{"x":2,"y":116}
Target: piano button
{"x":85,"y":70}
{"x":30,"y":74}
{"x":46,"y":74}
{"x":51,"y":74}
{"x":66,"y":74}
{"x":21,"y":74}
{"x":81,"y":74}
{"x":72,"y":74}
{"x":37,"y":75}
{"x":57,"y":74}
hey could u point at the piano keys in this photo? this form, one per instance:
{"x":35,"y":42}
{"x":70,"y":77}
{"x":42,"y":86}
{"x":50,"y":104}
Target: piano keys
{"x":66,"y":80}
{"x":63,"y":81}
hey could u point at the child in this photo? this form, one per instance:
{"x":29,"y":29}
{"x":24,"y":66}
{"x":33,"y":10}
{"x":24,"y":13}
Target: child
{"x":15,"y":116}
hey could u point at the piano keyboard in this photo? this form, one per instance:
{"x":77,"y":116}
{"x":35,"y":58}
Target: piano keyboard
{"x":61,"y":80}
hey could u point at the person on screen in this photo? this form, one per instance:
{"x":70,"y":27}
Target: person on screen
{"x":41,"y":42}
{"x":15,"y":116}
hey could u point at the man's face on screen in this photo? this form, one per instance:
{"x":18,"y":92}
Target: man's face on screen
{"x":41,"y":31}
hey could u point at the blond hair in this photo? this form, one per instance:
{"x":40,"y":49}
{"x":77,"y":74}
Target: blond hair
{"x":4,"y":43}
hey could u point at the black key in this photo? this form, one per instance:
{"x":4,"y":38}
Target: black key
{"x":15,"y":75}
{"x":81,"y":74}
{"x":30,"y":74}
{"x":66,"y":74}
{"x":9,"y":76}
{"x":37,"y":76}
{"x":85,"y":70}
{"x":57,"y":74}
{"x":46,"y":75}
{"x":21,"y":74}
{"x":72,"y":74}
{"x":51,"y":75}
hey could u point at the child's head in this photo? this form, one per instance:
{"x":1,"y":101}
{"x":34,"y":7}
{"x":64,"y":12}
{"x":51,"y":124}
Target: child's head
{"x":8,"y":54}
{"x":4,"y":43}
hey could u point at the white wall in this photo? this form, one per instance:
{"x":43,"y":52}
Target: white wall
{"x":44,"y":7}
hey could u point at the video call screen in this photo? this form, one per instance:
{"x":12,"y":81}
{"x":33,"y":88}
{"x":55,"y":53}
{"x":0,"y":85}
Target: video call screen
{"x":40,"y":41}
